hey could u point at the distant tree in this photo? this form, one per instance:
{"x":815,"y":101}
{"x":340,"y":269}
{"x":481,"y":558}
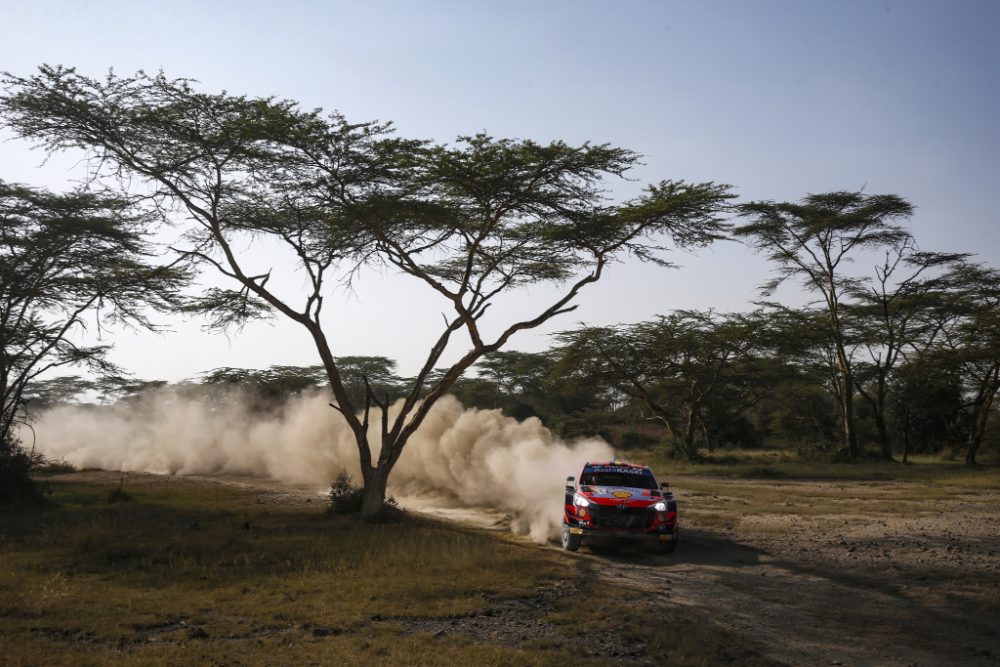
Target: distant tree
{"x":671,"y":366}
{"x":67,"y":260}
{"x":61,"y":390}
{"x":114,"y":388}
{"x":800,"y":339}
{"x":270,"y":387}
{"x":471,"y":221}
{"x":811,"y":241}
{"x":971,"y":345}
{"x":891,"y":317}
{"x":519,"y":380}
{"x":926,"y":403}
{"x":370,"y":376}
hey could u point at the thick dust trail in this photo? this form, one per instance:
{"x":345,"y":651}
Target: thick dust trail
{"x":477,"y":465}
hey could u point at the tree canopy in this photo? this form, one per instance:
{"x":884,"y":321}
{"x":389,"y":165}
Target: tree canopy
{"x":64,"y":258}
{"x":69,"y":261}
{"x":813,"y":240}
{"x":470,"y":221}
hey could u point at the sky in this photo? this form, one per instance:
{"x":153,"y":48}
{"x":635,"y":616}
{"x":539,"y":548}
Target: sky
{"x":779,"y":99}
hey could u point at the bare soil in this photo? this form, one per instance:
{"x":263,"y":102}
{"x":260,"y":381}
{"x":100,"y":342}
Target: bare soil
{"x":836,"y":573}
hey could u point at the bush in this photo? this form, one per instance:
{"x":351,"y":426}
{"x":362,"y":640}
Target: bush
{"x":16,"y":484}
{"x":119,"y":494}
{"x":346,"y":498}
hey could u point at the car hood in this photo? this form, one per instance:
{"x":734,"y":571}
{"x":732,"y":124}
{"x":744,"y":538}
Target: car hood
{"x":618,"y":495}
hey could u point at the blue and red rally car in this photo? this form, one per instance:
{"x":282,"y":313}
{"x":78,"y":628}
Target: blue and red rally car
{"x":618,"y":501}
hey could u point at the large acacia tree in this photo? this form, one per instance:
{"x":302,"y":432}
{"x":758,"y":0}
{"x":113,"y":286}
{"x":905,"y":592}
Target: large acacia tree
{"x":470,"y":221}
{"x":814,"y":241}
{"x":68,"y":261}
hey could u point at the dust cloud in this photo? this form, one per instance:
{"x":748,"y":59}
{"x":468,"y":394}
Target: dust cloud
{"x":459,"y":459}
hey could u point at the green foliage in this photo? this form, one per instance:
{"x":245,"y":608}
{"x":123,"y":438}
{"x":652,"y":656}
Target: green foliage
{"x":64,"y":257}
{"x":271,"y":386}
{"x":16,"y":484}
{"x":672,"y":367}
{"x":62,"y":390}
{"x":361,"y":374}
{"x":811,"y":241}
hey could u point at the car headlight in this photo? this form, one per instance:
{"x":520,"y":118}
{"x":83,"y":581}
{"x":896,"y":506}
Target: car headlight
{"x":660,"y":506}
{"x":580,"y":501}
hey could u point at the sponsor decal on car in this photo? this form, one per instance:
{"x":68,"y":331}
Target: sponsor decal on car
{"x":628,"y":470}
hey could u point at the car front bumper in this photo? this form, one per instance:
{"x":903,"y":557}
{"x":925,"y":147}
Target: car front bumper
{"x":610,"y":533}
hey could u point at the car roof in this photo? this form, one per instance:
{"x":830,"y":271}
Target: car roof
{"x":617,"y":464}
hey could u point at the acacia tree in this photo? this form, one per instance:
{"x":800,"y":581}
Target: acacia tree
{"x":269,"y":388}
{"x":927,"y":403}
{"x":671,"y":366}
{"x":67,"y":260}
{"x":971,"y":345}
{"x":812,"y":241}
{"x":471,"y":221}
{"x":894,"y":316}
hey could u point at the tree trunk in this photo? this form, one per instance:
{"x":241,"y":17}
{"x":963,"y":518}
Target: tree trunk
{"x":883,"y":429}
{"x":689,"y":449}
{"x":975,"y":439}
{"x":906,"y":436}
{"x":877,"y":403}
{"x":980,"y":417}
{"x":709,"y":443}
{"x":373,"y":498}
{"x":883,"y":436}
{"x":850,"y":434}
{"x":976,"y":434}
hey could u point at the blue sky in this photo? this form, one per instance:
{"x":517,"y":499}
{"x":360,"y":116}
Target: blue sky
{"x":779,"y":99}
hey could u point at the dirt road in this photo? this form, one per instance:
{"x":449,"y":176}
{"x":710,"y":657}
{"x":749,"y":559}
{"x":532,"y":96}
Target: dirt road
{"x":821,"y":573}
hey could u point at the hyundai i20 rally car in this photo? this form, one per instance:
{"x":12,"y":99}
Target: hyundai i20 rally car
{"x":618,"y":501}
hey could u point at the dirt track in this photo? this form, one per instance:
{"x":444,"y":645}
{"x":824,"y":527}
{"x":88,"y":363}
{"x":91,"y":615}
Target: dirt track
{"x":890,"y":581}
{"x":807,"y":573}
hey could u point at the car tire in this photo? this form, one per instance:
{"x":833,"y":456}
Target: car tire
{"x":570,"y":542}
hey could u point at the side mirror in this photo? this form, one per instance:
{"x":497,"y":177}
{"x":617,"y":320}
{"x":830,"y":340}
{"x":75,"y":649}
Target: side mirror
{"x":664,"y":485}
{"x":570,"y":484}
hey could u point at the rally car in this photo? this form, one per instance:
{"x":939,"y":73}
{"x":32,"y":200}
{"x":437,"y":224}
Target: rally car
{"x":615,"y":502}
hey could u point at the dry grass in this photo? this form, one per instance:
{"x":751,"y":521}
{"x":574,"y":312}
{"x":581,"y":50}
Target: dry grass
{"x":205,"y":574}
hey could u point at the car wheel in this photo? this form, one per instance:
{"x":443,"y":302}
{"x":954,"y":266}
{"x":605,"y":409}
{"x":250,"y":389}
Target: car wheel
{"x":570,"y":542}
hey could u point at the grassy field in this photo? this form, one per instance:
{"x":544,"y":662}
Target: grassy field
{"x":180,"y":573}
{"x":176,"y":571}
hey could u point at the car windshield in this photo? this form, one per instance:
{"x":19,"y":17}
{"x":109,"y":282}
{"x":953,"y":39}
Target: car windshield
{"x":636,"y":481}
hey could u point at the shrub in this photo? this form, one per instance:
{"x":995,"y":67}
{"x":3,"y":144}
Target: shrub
{"x":346,"y":498}
{"x":119,"y":494}
{"x":16,"y":484}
